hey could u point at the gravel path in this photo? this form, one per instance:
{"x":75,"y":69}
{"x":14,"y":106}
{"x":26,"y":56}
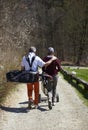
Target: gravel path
{"x":68,"y":114}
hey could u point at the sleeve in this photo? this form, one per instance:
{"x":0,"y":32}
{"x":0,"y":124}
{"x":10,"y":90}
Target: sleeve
{"x":41,"y":63}
{"x":58,"y":65}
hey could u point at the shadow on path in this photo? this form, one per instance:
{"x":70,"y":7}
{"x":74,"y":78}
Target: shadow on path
{"x":39,"y":108}
{"x":22,"y":109}
{"x":42,"y":109}
{"x":13,"y":109}
{"x":26,"y":102}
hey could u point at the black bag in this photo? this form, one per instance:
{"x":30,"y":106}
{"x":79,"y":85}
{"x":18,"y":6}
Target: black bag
{"x":27,"y":76}
{"x":22,"y":76}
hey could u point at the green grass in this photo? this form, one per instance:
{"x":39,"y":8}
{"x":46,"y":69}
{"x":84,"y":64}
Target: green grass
{"x":81,"y":73}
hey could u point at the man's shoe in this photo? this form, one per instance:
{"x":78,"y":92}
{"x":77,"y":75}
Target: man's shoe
{"x":49,"y":105}
{"x":30,"y":104}
{"x":53,"y":104}
{"x":36,"y":106}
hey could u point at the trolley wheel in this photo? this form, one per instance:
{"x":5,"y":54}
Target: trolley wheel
{"x":39,"y":98}
{"x":57,"y":97}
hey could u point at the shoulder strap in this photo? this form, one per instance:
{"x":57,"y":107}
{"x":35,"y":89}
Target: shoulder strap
{"x":30,"y":63}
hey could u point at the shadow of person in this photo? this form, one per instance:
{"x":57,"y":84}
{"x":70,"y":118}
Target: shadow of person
{"x":42,"y":109}
{"x":26,"y":102}
{"x":13,"y":109}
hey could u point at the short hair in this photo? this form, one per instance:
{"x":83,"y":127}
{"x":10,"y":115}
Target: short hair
{"x":50,"y":50}
{"x":32,"y":49}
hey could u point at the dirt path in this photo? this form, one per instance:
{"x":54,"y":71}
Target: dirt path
{"x":68,"y":114}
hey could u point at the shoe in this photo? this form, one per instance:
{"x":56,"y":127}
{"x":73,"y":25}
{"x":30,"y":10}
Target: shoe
{"x":53,"y":104}
{"x":30,"y":104}
{"x":36,"y":106}
{"x":49,"y":105}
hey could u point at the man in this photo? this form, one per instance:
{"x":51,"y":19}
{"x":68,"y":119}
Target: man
{"x":52,"y":70}
{"x":36,"y":62}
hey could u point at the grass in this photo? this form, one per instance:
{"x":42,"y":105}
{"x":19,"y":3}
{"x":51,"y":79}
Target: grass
{"x":5,"y":90}
{"x":6,"y":67}
{"x":2,"y":93}
{"x":82,"y":73}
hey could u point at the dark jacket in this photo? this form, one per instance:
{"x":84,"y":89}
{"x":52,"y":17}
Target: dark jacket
{"x":53,"y":68}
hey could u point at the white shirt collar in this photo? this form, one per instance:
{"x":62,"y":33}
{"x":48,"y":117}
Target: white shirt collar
{"x":31,"y":54}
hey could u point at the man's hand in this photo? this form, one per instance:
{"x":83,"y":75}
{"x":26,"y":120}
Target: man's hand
{"x":50,"y":61}
{"x":53,"y":58}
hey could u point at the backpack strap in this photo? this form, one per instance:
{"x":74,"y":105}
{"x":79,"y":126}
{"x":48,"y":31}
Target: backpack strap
{"x":30,"y":63}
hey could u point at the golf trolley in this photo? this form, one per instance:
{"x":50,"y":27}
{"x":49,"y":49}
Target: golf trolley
{"x":44,"y":78}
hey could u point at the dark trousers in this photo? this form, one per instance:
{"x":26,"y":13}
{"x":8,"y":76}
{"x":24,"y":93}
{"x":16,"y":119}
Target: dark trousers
{"x":51,"y":87}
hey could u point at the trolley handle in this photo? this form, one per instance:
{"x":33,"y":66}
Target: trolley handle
{"x":45,"y":75}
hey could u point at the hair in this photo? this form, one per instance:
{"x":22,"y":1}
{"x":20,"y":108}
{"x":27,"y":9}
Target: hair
{"x":32,"y":49}
{"x":50,"y":50}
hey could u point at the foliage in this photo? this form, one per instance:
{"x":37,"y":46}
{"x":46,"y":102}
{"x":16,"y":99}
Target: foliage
{"x":62,"y":24}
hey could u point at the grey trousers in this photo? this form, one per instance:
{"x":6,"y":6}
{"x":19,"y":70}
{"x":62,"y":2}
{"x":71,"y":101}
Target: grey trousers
{"x":51,"y":87}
